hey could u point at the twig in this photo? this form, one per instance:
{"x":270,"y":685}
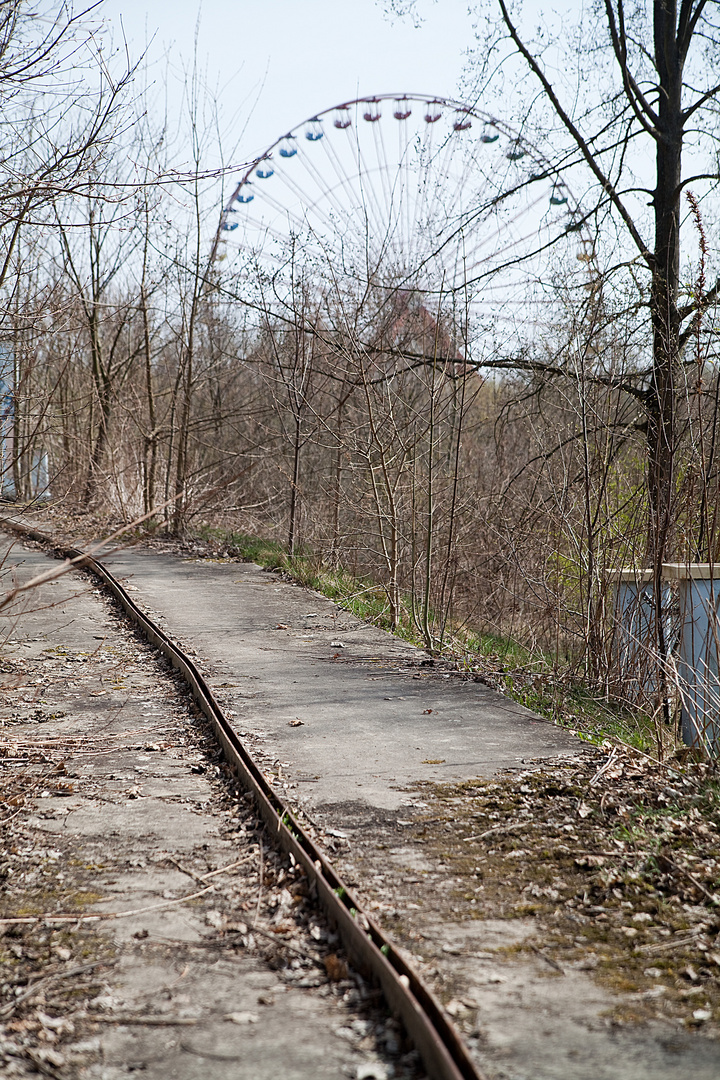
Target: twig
{"x":148,"y":1021}
{"x":546,"y":958}
{"x":225,"y":869}
{"x":604,"y":768}
{"x":207,"y":1053}
{"x":620,"y":854}
{"x":500,"y":829}
{"x":257,"y":909}
{"x":712,"y":897}
{"x":661,"y":946}
{"x":9,"y":1009}
{"x":212,"y":873}
{"x":29,"y":920}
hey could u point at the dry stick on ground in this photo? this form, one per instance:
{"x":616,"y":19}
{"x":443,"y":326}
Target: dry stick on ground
{"x":500,"y":829}
{"x":604,"y":768}
{"x":148,"y":1021}
{"x":712,"y":898}
{"x":261,"y":871}
{"x":7,"y":1010}
{"x":50,"y":917}
{"x":547,"y":959}
{"x":663,"y":946}
{"x":200,"y":878}
{"x":29,"y":920}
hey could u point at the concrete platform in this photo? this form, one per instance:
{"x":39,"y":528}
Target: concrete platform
{"x":374,"y":716}
{"x":374,"y":719}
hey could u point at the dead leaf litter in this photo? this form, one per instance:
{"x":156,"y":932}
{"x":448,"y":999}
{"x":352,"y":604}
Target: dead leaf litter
{"x":614,"y":858}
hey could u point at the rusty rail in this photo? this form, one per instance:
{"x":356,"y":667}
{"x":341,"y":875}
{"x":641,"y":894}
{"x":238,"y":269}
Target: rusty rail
{"x":435,"y":1037}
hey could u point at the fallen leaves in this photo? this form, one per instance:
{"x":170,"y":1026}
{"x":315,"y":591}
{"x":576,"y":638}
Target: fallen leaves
{"x":618,"y":862}
{"x":336,"y":968}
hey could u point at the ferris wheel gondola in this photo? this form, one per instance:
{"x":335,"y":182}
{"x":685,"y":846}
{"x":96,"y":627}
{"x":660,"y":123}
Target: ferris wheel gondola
{"x":287,"y":148}
{"x":372,"y":113}
{"x":434,"y":112}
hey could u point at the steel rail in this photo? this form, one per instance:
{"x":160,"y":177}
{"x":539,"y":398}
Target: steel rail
{"x":434,"y":1036}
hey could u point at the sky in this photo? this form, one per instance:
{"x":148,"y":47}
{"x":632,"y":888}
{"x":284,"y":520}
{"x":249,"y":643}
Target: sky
{"x":273,"y":63}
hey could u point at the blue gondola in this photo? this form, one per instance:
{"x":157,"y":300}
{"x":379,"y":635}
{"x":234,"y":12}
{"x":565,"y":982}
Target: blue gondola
{"x":489,"y":136}
{"x":556,"y":196}
{"x":264,"y":171}
{"x":516,"y":152}
{"x":314,"y":131}
{"x":245,"y":197}
{"x":287,"y":147}
{"x":228,"y":226}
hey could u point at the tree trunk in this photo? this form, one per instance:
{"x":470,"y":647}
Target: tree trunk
{"x":292,"y":525}
{"x":665,"y":315}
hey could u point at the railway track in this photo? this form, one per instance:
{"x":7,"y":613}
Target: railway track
{"x":435,"y":1037}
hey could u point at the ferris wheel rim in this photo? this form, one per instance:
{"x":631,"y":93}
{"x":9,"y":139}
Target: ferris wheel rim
{"x":563,"y":217}
{"x":443,"y":102}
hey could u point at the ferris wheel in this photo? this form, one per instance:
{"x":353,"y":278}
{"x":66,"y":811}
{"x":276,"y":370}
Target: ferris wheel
{"x":410,"y":195}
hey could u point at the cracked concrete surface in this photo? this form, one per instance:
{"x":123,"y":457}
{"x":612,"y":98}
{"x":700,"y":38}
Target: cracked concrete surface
{"x":134,"y":821}
{"x":374,"y":720}
{"x":374,"y":717}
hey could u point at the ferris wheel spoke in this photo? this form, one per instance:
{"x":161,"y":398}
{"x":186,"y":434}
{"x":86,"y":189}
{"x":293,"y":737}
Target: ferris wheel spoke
{"x":368,"y":192}
{"x":422,"y":202}
{"x":283,"y":211}
{"x":529,"y":251}
{"x":346,"y":181}
{"x":381,"y":156}
{"x":370,"y":209}
{"x":306,"y":203}
{"x":324,"y":190}
{"x":474,"y":220}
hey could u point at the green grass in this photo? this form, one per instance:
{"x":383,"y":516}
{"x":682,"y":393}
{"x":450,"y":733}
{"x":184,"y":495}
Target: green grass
{"x":508,"y":652}
{"x":362,"y":597}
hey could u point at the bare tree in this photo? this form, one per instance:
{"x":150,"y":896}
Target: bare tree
{"x":61,"y":107}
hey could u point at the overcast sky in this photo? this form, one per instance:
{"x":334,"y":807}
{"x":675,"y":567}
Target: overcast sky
{"x":273,"y":63}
